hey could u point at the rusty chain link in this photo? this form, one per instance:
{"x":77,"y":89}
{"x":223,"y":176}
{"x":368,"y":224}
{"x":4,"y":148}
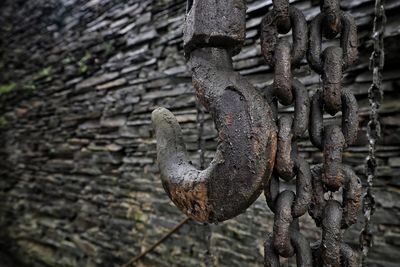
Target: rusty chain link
{"x":286,"y":239}
{"x":375,"y":95}
{"x":339,"y":211}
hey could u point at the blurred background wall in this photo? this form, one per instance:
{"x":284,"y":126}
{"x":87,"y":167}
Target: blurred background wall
{"x":79,"y":184}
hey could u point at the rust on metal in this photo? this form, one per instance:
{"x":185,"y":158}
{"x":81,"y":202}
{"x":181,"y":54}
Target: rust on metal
{"x":271,"y":258}
{"x":303,"y":188}
{"x":269,"y":36}
{"x":352,"y":191}
{"x":283,"y":73}
{"x":301,"y":109}
{"x":351,"y":196}
{"x":282,"y":223}
{"x":334,"y":143}
{"x":331,"y":234}
{"x":284,"y":165}
{"x":332,"y":79}
{"x":350,"y":121}
{"x":211,"y":23}
{"x":332,"y":22}
{"x":247,"y":134}
{"x":281,"y":13}
{"x":348,"y":42}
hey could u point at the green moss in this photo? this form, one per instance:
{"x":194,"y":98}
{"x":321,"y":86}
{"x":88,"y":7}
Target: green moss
{"x":83,"y":66}
{"x":29,"y":86}
{"x":45,"y":72}
{"x":6,"y":88}
{"x":67,"y":60}
{"x":108,"y":47}
{"x":3,"y":122}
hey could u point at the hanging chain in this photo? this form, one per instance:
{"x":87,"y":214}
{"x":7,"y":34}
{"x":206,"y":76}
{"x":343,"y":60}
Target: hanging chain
{"x":286,"y":239}
{"x":318,"y":189}
{"x":332,"y":175}
{"x":375,"y":96}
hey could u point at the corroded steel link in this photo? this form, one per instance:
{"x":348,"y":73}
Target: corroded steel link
{"x":334,"y":143}
{"x":351,"y":196}
{"x":316,"y":127}
{"x":281,"y":12}
{"x":303,"y":188}
{"x":348,"y":42}
{"x":332,"y":79}
{"x":271,"y":257}
{"x":284,"y":165}
{"x":318,"y":202}
{"x":303,"y":249}
{"x":331,"y":234}
{"x":300,"y":244}
{"x":271,"y":191}
{"x":332,"y":23}
{"x":350,"y":119}
{"x":270,"y":97}
{"x":283,"y":73}
{"x":301,"y":109}
{"x":289,"y":129}
{"x":269,"y":36}
{"x":349,"y":256}
{"x":301,"y":106}
{"x":282,"y":223}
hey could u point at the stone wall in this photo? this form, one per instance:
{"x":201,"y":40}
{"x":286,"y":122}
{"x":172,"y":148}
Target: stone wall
{"x":79,"y":183}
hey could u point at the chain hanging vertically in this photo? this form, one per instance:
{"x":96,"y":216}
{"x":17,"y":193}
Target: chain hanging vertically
{"x":286,"y":239}
{"x":332,"y":175}
{"x":375,"y":96}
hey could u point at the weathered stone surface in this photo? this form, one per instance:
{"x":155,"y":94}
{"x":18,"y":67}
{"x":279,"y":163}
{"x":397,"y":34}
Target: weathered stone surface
{"x":79,"y":182}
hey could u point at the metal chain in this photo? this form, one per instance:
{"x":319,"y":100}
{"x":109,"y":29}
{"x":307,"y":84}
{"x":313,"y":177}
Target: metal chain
{"x":286,"y":239}
{"x":375,"y":96}
{"x":332,"y":175}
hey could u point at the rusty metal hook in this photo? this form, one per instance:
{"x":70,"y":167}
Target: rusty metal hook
{"x":246,"y":149}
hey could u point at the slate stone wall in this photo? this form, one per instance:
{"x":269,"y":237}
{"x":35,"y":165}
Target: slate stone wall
{"x":79,"y":183}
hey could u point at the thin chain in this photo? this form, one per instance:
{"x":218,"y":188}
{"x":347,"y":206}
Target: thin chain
{"x":375,"y":96}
